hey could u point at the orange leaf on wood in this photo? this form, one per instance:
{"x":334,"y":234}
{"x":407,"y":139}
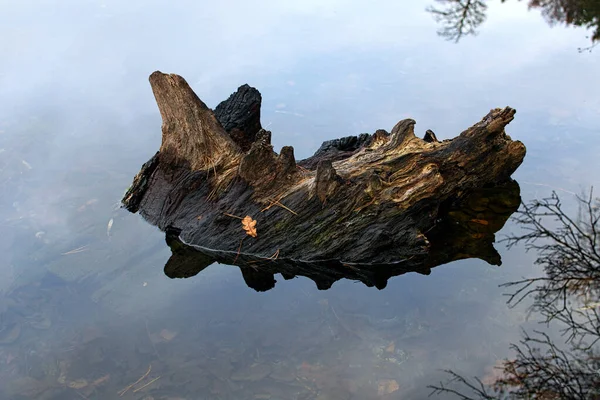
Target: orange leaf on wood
{"x":249,"y":226}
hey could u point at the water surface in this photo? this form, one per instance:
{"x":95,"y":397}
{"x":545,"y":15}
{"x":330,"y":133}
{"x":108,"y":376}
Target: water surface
{"x":86,"y":310}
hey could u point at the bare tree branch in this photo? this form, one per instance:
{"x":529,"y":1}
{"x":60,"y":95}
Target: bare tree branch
{"x":459,"y":17}
{"x":567,"y":294}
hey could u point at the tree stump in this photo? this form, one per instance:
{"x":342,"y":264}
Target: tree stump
{"x":382,"y":199}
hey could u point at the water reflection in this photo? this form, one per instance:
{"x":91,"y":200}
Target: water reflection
{"x":465,"y":228}
{"x":77,"y":120}
{"x":567,"y":296}
{"x":462,"y":18}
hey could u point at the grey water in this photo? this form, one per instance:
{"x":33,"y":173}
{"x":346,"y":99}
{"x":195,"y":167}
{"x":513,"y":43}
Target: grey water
{"x":85,"y":308}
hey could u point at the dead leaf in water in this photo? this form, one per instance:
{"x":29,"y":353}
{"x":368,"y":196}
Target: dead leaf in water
{"x":10,"y":358}
{"x":249,"y":225}
{"x":10,"y":333}
{"x":78,"y":384}
{"x":167,"y":335}
{"x":391,"y":348}
{"x":87,"y":204}
{"x":387,"y":386}
{"x":253,"y":373}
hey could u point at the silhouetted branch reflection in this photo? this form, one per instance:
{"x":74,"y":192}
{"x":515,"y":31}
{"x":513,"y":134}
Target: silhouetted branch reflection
{"x":459,"y":17}
{"x":568,"y":250}
{"x":540,"y":370}
{"x":463,"y":17}
{"x":570,"y":257}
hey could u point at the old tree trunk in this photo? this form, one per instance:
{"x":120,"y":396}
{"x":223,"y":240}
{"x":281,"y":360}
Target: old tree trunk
{"x":360,"y":203}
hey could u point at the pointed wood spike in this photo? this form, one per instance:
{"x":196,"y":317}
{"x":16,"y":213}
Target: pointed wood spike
{"x":286,"y":159}
{"x":326,"y":180}
{"x":191,"y":134}
{"x":430,"y":137}
{"x":402,"y":132}
{"x":263,"y":136}
{"x":240,"y":115}
{"x":257,"y":166}
{"x":492,"y":124}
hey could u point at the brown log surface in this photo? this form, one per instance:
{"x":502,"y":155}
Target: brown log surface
{"x":464,"y":229}
{"x":372,"y":199}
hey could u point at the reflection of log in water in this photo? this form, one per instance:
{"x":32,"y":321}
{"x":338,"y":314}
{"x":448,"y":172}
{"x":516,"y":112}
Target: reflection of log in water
{"x":464,"y":229}
{"x":567,"y":295}
{"x":373,"y":199}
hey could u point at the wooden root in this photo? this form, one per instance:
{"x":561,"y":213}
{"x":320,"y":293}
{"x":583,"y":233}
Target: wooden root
{"x":369,"y":199}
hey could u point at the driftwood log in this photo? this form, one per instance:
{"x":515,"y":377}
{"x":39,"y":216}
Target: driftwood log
{"x":368,"y":200}
{"x":465,"y":229}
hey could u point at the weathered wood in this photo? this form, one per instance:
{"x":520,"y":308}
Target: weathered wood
{"x":371,"y":199}
{"x":192,"y":137}
{"x":240,"y":116}
{"x":464,"y":229}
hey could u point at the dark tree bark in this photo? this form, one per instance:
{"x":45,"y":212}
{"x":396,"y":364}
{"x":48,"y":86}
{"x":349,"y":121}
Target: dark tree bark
{"x":240,"y":116}
{"x":371,"y":199}
{"x":465,"y":228}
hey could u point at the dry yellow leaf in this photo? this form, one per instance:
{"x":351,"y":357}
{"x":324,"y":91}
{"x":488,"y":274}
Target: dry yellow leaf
{"x":391,"y":348}
{"x":480,"y":221}
{"x":249,"y":226}
{"x":167,"y":335}
{"x":387,"y":386}
{"x":78,"y":384}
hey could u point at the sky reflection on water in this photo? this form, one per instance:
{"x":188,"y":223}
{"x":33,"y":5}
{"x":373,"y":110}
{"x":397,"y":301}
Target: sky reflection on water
{"x":77,"y":119}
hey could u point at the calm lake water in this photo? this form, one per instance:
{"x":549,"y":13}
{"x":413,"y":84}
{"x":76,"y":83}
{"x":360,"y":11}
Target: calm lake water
{"x":85,"y":307}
